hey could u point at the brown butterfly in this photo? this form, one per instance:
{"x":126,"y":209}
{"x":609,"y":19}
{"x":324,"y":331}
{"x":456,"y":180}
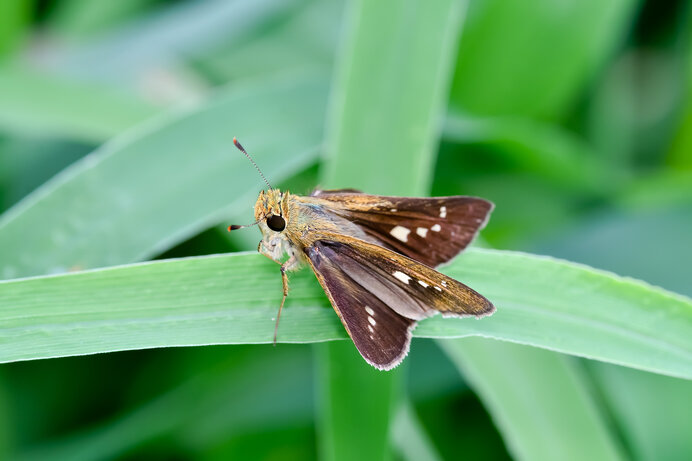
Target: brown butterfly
{"x":373,"y":257}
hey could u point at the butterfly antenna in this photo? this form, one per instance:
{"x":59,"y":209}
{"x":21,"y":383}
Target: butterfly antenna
{"x":233,"y":227}
{"x":242,"y":149}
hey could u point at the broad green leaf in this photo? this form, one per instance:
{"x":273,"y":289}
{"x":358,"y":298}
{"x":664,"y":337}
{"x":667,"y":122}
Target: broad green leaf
{"x":165,"y":181}
{"x":51,"y":105}
{"x":532,"y":58}
{"x":231,"y":299}
{"x":539,"y":400}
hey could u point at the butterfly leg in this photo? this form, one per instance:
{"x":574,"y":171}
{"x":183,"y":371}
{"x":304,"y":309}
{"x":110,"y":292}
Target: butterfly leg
{"x":291,"y":263}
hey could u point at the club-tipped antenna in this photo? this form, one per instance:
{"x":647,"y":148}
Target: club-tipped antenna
{"x":233,"y":227}
{"x":242,"y":149}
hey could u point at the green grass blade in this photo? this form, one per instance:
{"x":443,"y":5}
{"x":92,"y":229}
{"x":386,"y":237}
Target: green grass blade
{"x":410,"y":438}
{"x":582,"y":309}
{"x":212,"y":300}
{"x":163,"y":182}
{"x":352,"y":394}
{"x":386,"y":105}
{"x":538,"y":400}
{"x":651,"y":411}
{"x":391,"y":101}
{"x":506,"y":42}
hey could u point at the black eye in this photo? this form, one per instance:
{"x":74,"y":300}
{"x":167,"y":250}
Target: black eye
{"x":276,"y":223}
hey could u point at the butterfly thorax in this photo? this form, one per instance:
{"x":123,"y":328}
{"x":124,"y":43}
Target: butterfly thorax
{"x":290,"y":223}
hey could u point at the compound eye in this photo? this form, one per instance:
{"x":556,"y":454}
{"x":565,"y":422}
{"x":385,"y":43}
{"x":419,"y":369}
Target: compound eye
{"x":276,"y":223}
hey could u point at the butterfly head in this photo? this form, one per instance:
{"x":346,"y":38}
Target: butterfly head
{"x":271,"y":210}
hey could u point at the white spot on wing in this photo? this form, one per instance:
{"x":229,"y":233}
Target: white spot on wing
{"x":400,"y":233}
{"x":372,"y":321}
{"x":401,"y":276}
{"x":422,"y":231}
{"x":438,"y":288}
{"x":423,"y":284}
{"x":372,"y":330}
{"x":443,"y":212}
{"x":393,"y":210}
{"x":444,"y":283}
{"x":436,"y":228}
{"x":369,"y":311}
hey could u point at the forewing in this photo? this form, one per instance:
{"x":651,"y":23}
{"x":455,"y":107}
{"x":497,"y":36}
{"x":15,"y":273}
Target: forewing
{"x":429,"y":230}
{"x":379,"y":295}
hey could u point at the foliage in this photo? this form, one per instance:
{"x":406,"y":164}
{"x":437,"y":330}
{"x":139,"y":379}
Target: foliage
{"x":116,"y":124}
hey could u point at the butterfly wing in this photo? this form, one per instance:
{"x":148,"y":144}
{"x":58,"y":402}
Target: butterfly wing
{"x":380,"y":295}
{"x":429,"y":230}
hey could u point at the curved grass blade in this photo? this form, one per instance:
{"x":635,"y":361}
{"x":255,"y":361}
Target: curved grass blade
{"x":541,"y":302}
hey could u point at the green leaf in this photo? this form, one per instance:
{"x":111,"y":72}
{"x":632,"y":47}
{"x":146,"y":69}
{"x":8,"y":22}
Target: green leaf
{"x":211,"y":300}
{"x":52,"y":105}
{"x":410,"y":437}
{"x":15,"y":18}
{"x":165,"y":41}
{"x":652,"y":411}
{"x":195,"y":411}
{"x":575,"y":309}
{"x":539,"y":400}
{"x":77,"y":19}
{"x":532,"y":58}
{"x":306,"y":38}
{"x":165,"y":181}
{"x":26,"y":163}
{"x":343,"y":377}
{"x":542,"y":149}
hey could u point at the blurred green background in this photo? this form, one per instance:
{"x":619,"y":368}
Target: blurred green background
{"x":574,"y":117}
